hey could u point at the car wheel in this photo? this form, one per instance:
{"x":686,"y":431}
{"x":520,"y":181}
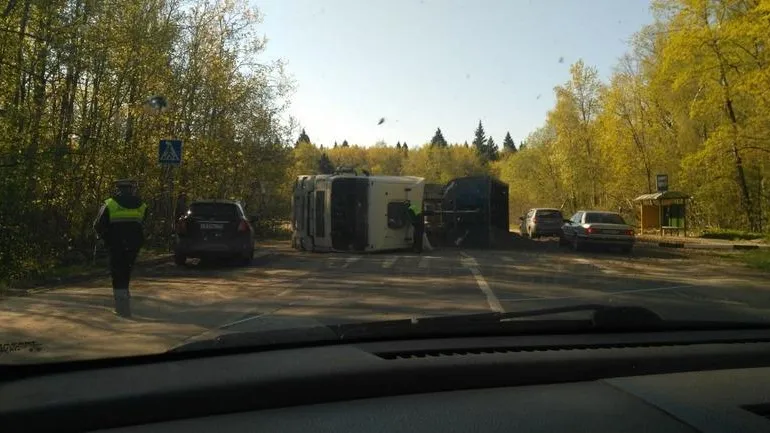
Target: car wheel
{"x":246,"y":259}
{"x":576,"y":244}
{"x":180,"y":259}
{"x":563,"y":241}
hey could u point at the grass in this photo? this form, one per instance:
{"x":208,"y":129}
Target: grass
{"x":731,"y":235}
{"x":757,"y":259}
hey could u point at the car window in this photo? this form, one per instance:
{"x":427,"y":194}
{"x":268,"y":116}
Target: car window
{"x":549,"y":214}
{"x":605,"y":218}
{"x":577,"y":218}
{"x":225,"y":211}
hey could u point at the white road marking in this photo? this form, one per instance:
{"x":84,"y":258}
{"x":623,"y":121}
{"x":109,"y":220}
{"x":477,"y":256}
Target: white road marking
{"x":494,"y":303}
{"x":603,"y":268}
{"x":620,"y":292}
{"x":350,"y":261}
{"x":473,"y":266}
{"x":388,"y":263}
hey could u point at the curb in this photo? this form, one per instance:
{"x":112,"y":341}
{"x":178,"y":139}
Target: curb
{"x":697,"y":246}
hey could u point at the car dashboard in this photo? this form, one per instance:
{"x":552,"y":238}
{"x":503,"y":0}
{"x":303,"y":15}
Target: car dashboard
{"x":688,"y":381}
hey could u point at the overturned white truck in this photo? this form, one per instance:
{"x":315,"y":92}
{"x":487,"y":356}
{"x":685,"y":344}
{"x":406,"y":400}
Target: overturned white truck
{"x":353,"y":212}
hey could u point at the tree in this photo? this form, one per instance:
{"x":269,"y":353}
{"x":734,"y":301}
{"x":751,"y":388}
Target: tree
{"x":398,"y":145}
{"x":345,"y":143}
{"x":466,"y":143}
{"x":508,"y":144}
{"x":438,"y":139}
{"x":335,"y":144}
{"x":325,"y":165}
{"x":303,"y":138}
{"x":491,"y":151}
{"x":480,"y":139}
{"x":405,"y":147}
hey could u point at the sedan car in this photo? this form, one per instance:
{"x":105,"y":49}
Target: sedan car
{"x":541,"y":222}
{"x":214,"y":229}
{"x":599,"y":228}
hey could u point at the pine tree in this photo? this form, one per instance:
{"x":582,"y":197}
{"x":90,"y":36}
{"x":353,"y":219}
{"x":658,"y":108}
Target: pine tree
{"x":345,"y":143}
{"x":325,"y":165}
{"x":398,"y":145}
{"x":405,"y":147}
{"x":466,"y":143}
{"x":490,"y":149}
{"x":335,"y":144}
{"x":480,"y":139}
{"x":522,"y":145}
{"x":438,"y":139}
{"x":303,"y":138}
{"x":508,"y":144}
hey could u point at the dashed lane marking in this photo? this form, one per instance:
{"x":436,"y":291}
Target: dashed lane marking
{"x":390,"y":261}
{"x":473,"y":266}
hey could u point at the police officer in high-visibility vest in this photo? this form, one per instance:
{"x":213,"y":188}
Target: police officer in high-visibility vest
{"x":418,"y":225}
{"x":120,"y":223}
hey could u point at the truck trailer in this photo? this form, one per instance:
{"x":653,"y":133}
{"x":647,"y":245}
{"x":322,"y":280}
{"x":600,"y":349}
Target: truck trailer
{"x":353,"y":212}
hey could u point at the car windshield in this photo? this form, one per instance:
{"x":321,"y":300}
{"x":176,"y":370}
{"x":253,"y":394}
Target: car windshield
{"x":171,"y":171}
{"x":604,"y":218}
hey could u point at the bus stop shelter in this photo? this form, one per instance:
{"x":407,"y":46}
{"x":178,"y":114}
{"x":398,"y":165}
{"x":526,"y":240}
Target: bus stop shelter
{"x":665,"y":212}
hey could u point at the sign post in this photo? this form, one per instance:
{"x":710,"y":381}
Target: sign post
{"x":170,"y":156}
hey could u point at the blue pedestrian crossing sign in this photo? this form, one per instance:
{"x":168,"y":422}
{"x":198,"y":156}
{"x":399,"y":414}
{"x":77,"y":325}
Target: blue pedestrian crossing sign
{"x":170,"y":152}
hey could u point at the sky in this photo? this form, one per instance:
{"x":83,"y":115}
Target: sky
{"x":427,"y":64}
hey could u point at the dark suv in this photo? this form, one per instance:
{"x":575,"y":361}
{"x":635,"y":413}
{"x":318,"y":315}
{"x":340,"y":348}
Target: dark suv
{"x":214,"y":229}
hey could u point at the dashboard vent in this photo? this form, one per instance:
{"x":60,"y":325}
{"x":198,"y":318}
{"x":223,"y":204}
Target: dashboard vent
{"x":437,"y":353}
{"x":762,"y":410}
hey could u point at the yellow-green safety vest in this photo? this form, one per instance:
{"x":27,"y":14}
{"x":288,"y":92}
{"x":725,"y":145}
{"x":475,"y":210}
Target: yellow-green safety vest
{"x":118,"y":213}
{"x":416,"y":209}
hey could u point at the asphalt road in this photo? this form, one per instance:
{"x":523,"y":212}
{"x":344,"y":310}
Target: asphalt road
{"x":294,"y":289}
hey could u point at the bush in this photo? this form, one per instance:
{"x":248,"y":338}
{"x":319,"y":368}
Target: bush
{"x":730,"y":235}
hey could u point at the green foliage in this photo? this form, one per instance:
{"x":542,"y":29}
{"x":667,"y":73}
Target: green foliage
{"x":325,"y":165}
{"x":757,"y":259}
{"x":730,"y":235}
{"x":438,"y":139}
{"x":689,"y":100}
{"x":76,"y":81}
{"x":304,"y":138}
{"x":508,"y":144}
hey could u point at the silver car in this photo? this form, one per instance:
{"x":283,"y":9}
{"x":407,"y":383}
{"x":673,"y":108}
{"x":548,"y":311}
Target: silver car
{"x":597,"y":228}
{"x":541,"y":222}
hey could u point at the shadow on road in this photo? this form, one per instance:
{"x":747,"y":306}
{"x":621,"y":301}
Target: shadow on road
{"x":173,"y":303}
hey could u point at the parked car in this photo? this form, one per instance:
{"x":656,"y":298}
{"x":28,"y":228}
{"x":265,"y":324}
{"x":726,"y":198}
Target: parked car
{"x":597,"y":228}
{"x":214,"y":229}
{"x":541,"y":222}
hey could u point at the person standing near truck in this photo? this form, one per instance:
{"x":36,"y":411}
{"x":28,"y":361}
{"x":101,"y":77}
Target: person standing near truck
{"x":418,"y":225}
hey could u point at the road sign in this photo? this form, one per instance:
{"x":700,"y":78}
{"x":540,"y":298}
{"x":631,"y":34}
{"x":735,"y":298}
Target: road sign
{"x":662,"y":182}
{"x":170,"y":152}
